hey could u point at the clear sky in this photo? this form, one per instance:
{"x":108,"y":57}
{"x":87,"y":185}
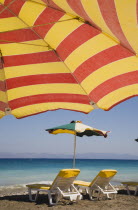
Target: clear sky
{"x":28,"y":135}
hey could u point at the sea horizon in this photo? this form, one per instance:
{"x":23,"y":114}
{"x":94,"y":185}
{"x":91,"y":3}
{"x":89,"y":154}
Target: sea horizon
{"x":69,"y":158}
{"x":124,"y":156}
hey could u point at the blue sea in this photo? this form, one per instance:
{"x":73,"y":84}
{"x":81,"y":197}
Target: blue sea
{"x":18,"y":172}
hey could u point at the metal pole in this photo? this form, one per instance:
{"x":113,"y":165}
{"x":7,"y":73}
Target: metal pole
{"x":74,"y":156}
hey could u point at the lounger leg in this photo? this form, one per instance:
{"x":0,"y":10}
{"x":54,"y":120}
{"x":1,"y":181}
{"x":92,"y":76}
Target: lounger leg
{"x":51,"y":200}
{"x":128,"y":191}
{"x":30,"y":195}
{"x":108,"y":196}
{"x":36,"y":195}
{"x":58,"y":197}
{"x":86,"y":191}
{"x":136,"y":190}
{"x":90,"y":194}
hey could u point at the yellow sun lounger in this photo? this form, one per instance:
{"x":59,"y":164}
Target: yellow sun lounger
{"x":100,"y":185}
{"x":62,"y":187}
{"x":132,"y":184}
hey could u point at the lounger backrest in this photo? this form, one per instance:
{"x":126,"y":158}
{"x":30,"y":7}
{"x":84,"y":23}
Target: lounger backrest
{"x":103,"y":178}
{"x":65,"y":178}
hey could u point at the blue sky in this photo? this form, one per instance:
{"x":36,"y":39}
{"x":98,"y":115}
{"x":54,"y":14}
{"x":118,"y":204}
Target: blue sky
{"x":28,"y":135}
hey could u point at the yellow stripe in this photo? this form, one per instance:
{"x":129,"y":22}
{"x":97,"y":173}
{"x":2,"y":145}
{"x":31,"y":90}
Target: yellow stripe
{"x":87,"y":50}
{"x":93,"y":11}
{"x":37,"y":108}
{"x":3,"y":97}
{"x":2,"y":114}
{"x":117,"y":95}
{"x":127,"y":15}
{"x":63,"y":131}
{"x":30,"y":12}
{"x":109,"y":71}
{"x":17,"y":49}
{"x":44,"y":68}
{"x":62,"y":30}
{"x":11,"y":23}
{"x":2,"y":75}
{"x":38,"y":1}
{"x":64,"y":5}
{"x":2,"y":1}
{"x":44,"y":89}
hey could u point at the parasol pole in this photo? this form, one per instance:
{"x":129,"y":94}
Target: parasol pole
{"x":74,"y":156}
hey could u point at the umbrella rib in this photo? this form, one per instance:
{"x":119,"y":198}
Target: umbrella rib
{"x":6,"y":7}
{"x":28,"y":27}
{"x":7,"y":41}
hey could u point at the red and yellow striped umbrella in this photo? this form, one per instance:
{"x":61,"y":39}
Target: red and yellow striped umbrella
{"x":67,"y":54}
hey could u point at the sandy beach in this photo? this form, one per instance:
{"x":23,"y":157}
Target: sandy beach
{"x":18,"y":199}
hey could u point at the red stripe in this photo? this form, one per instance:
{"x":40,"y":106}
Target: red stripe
{"x":113,"y":84}
{"x":21,"y":35}
{"x":1,"y":7}
{"x":40,"y":79}
{"x":6,"y":14}
{"x":46,"y":98}
{"x":2,"y":86}
{"x":6,"y":2}
{"x":41,"y":57}
{"x":75,"y":39}
{"x":3,"y":106}
{"x":77,"y":6}
{"x":101,"y":59}
{"x":42,"y":30}
{"x":109,"y":14}
{"x":16,"y":6}
{"x":47,"y":16}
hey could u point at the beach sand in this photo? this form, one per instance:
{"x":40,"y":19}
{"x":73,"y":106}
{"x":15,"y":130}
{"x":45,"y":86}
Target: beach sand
{"x":17,"y":199}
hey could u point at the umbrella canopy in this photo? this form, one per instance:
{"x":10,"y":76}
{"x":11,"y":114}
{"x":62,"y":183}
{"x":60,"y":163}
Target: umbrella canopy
{"x":77,"y":128}
{"x":136,"y":139}
{"x":66,"y":54}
